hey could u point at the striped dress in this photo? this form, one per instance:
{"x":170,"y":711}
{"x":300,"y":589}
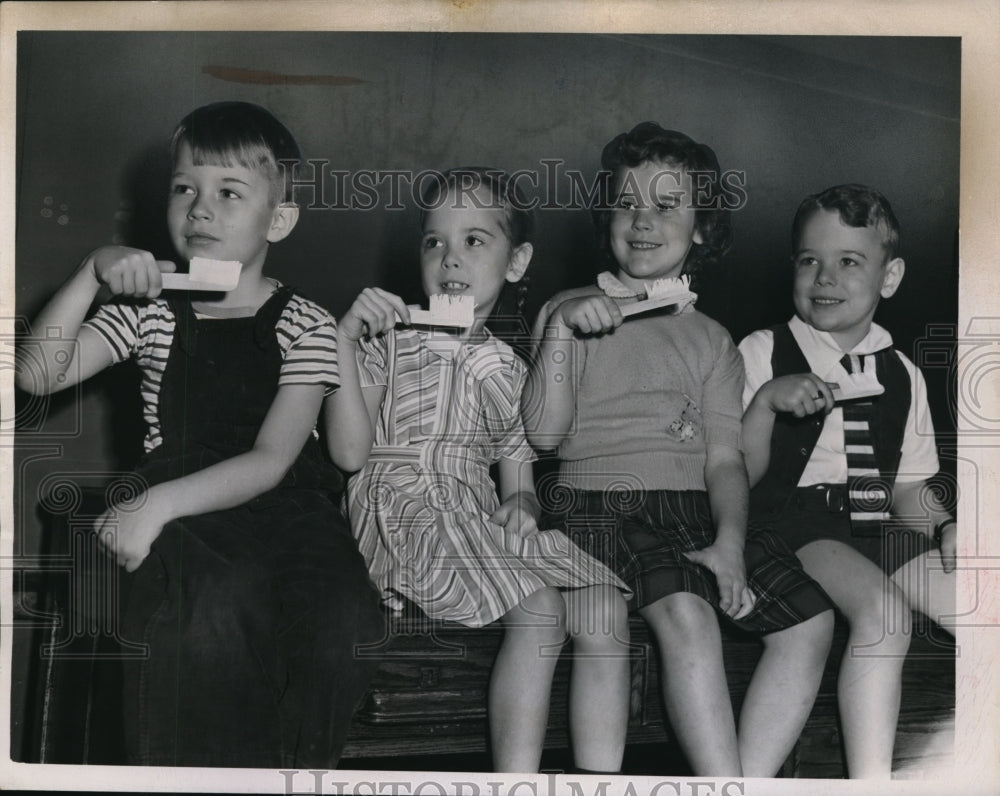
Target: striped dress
{"x":420,"y":507}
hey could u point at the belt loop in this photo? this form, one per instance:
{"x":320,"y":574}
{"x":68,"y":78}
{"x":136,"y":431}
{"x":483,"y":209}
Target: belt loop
{"x":834,"y":499}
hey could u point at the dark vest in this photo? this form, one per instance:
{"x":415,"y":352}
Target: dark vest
{"x":793,"y":438}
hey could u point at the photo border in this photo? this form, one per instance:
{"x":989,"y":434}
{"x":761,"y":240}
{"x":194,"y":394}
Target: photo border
{"x":978,"y":25}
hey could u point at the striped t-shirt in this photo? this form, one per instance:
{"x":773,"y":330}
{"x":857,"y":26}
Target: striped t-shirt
{"x":306,"y":333}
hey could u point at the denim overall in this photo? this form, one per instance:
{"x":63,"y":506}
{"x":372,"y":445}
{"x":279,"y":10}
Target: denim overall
{"x":251,"y":614}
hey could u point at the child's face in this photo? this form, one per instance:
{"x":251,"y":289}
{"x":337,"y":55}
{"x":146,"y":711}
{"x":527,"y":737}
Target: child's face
{"x":466,"y":250}
{"x":220,"y":212}
{"x":653,"y":223}
{"x":840,"y":274}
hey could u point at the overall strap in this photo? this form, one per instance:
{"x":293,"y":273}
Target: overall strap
{"x":185,"y":326}
{"x":265,"y":319}
{"x":268,"y":315}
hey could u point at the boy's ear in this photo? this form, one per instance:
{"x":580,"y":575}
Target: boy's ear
{"x":519,"y":260}
{"x":894,"y":270}
{"x":286,"y":216}
{"x":697,"y":237}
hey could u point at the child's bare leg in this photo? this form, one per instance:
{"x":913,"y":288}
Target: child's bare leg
{"x":693,"y":679}
{"x":929,"y":589}
{"x":521,"y":682}
{"x":870,"y":679}
{"x":781,"y":693}
{"x":597,"y":621}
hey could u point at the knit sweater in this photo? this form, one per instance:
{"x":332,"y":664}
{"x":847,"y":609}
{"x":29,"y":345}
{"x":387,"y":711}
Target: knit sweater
{"x":650,"y":396}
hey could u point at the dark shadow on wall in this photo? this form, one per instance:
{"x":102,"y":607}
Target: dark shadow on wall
{"x":402,"y":273}
{"x":145,"y":181}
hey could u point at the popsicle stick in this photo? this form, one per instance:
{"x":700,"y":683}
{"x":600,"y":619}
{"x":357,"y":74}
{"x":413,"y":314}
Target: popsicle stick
{"x":854,"y":386}
{"x":644,"y":305}
{"x":205,"y":274}
{"x":184,"y":282}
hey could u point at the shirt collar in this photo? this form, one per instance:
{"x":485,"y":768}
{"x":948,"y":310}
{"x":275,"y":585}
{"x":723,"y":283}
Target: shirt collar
{"x":613,"y":287}
{"x":824,"y":354}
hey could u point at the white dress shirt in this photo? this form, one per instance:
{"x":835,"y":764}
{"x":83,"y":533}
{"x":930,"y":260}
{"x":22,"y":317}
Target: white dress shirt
{"x":828,"y":463}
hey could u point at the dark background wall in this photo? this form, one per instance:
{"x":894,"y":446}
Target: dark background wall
{"x":795,"y":114}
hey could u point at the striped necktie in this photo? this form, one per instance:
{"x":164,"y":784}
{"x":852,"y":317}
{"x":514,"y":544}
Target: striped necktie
{"x":868,"y":494}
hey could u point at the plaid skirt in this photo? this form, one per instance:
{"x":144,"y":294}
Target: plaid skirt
{"x":642,"y":536}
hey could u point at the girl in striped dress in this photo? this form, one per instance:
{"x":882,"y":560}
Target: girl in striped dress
{"x":422,"y":414}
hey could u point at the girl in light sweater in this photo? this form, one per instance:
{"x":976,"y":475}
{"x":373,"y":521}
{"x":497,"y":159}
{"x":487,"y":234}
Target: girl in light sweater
{"x":645,"y":414}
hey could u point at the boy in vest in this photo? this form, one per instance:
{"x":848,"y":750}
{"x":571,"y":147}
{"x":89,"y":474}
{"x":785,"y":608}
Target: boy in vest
{"x":838,"y":440}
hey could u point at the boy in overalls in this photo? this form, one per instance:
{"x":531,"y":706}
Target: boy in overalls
{"x":246,"y":584}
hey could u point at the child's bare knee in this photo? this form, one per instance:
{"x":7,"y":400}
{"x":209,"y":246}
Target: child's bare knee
{"x":883,"y":624}
{"x":881,"y":607}
{"x":682,"y":616}
{"x":546,"y":602}
{"x":542,"y":612}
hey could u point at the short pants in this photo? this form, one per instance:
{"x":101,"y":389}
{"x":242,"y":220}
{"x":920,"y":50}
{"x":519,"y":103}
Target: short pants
{"x":821,"y":512}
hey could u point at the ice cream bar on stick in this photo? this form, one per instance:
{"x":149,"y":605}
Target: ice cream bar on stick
{"x":205,"y":274}
{"x":662,"y":293}
{"x":445,"y":310}
{"x":856,"y":385}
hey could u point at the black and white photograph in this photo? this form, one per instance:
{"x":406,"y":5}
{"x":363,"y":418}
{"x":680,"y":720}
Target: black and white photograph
{"x":500,"y":398}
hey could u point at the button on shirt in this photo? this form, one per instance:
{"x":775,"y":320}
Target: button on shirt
{"x":828,"y":463}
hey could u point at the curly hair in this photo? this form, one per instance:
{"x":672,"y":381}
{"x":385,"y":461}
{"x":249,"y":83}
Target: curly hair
{"x":858,"y":206}
{"x":646,"y":142}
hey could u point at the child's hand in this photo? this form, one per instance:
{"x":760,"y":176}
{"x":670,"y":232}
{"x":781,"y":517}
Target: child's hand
{"x":374,"y":311}
{"x":799,"y":393}
{"x":129,"y":272}
{"x":518,"y":515}
{"x":725,"y":561}
{"x":589,"y":314}
{"x":949,"y":546}
{"x":128,"y":529}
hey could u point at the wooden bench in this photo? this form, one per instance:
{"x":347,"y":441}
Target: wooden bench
{"x":429,"y":695}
